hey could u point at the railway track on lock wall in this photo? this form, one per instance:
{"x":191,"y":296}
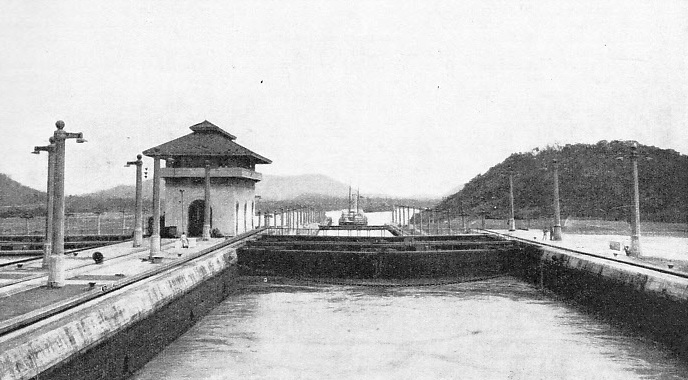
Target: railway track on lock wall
{"x":628,"y":262}
{"x":34,"y":258}
{"x":19,"y":322}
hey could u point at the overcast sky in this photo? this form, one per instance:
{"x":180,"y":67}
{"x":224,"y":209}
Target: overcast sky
{"x":397,"y":97}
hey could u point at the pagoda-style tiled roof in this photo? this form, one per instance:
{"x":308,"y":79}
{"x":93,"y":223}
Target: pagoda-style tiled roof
{"x":207,"y":139}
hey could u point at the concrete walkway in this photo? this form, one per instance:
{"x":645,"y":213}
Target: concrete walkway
{"x":655,"y":249}
{"x":23,"y":289}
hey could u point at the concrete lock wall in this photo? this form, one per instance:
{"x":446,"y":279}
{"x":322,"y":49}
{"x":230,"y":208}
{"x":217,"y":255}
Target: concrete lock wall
{"x":112,"y":336}
{"x":360,"y":265}
{"x":642,"y":300}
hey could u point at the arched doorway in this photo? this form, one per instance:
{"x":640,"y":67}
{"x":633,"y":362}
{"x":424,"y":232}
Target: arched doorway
{"x":197,"y":217}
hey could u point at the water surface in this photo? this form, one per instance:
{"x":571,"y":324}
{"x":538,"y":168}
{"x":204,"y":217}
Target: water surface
{"x":495,"y":329}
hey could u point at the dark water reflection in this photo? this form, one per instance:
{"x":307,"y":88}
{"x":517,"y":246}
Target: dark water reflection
{"x":494,"y":329}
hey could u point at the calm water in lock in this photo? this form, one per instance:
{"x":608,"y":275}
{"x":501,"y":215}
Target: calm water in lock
{"x":495,"y":329}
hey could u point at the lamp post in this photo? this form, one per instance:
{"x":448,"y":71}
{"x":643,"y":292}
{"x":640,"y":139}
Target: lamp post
{"x":138,"y":217}
{"x":556,"y":232}
{"x":206,"y":209}
{"x":50,"y":200}
{"x":449,"y":218}
{"x":155,"y":235}
{"x":56,"y":271}
{"x":635,"y":222}
{"x":512,"y":220}
{"x":181,"y":193}
{"x":428,"y":216}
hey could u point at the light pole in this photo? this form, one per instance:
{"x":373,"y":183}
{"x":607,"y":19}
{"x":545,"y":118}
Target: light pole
{"x":50,"y":200}
{"x":512,"y":220}
{"x":181,"y":192}
{"x":138,"y":218}
{"x":206,"y":208}
{"x":556,"y":233}
{"x":56,"y":272}
{"x":635,"y":225}
{"x":155,"y":235}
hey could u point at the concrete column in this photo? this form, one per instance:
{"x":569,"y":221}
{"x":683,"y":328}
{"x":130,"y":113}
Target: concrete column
{"x":155,"y":236}
{"x":635,"y":221}
{"x":281,"y":218}
{"x":449,"y":216}
{"x":556,"y":233}
{"x":206,"y":213}
{"x":437,"y":223}
{"x":260,"y":216}
{"x":50,"y":198}
{"x":512,"y":220}
{"x":428,"y":216}
{"x":56,"y":275}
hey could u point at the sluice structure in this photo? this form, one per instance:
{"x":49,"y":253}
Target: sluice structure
{"x":388,"y":258}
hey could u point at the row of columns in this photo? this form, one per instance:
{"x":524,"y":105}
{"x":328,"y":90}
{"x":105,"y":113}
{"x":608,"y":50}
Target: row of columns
{"x":290,"y":218}
{"x":427,"y":220}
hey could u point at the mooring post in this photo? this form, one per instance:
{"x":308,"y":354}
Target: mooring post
{"x":556,"y":232}
{"x":56,"y":268}
{"x":50,"y":200}
{"x":138,"y":217}
{"x":635,"y":221}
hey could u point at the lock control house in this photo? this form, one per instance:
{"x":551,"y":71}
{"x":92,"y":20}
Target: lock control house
{"x":208,"y":151}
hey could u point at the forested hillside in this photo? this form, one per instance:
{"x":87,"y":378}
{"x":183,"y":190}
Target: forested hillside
{"x":594,"y":181}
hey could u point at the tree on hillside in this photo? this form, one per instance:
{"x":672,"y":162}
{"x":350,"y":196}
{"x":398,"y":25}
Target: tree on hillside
{"x":594,"y":181}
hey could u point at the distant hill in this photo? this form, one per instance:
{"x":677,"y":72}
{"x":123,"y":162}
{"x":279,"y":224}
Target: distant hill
{"x":279,"y":188}
{"x":15,"y":196}
{"x":595,"y":180}
{"x":126,"y":191}
{"x":276,"y":188}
